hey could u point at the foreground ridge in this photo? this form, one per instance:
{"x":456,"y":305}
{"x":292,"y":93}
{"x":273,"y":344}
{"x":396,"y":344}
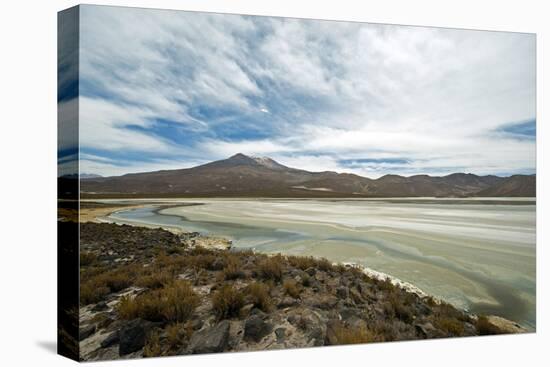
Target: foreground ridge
{"x":151,"y":292}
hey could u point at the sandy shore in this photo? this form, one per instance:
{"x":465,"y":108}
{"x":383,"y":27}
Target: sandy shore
{"x":99,"y":214}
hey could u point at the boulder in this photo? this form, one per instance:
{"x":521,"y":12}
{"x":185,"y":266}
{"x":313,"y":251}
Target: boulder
{"x":86,"y":331}
{"x":100,"y":306}
{"x":280,"y":334}
{"x":505,"y":325}
{"x":113,"y":338}
{"x":427,"y":330}
{"x":255,"y":328}
{"x":132,"y":336}
{"x":210,"y":340}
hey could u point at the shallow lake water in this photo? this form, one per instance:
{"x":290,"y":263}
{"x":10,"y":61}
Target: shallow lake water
{"x":476,"y":254}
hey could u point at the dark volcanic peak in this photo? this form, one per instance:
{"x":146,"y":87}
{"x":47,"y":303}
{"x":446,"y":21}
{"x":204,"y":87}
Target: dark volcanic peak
{"x":245,"y":176}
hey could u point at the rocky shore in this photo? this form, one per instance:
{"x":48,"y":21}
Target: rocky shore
{"x":150,"y":292}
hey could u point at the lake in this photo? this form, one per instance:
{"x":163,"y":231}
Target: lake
{"x":478,"y":254}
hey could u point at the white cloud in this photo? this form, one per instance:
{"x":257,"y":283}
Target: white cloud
{"x":322,"y":91}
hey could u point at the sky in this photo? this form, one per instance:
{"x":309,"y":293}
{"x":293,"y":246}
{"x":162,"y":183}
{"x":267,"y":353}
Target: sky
{"x":170,"y":89}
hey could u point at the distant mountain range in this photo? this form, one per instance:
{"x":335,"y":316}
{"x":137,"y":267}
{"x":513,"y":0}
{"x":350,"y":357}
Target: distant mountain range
{"x":245,"y":176}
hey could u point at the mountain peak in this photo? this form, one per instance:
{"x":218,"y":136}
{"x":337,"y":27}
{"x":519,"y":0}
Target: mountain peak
{"x":239,"y":156}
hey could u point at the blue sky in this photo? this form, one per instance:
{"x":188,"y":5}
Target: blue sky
{"x":166,"y":89}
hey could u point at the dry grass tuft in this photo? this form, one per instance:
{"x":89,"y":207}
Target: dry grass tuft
{"x":291,"y":288}
{"x":258,"y":294}
{"x":173,"y":303}
{"x":271,"y":268}
{"x":227,"y":302}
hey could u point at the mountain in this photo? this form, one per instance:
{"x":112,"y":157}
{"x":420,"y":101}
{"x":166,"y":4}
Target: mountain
{"x":517,"y":185}
{"x":241,"y":175}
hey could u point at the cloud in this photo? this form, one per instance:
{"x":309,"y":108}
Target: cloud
{"x":192,"y":87}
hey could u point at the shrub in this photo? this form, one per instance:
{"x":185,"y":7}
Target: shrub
{"x":324,"y":265}
{"x":227,"y":302}
{"x":152,"y":346}
{"x":155,"y":280}
{"x":258,"y":294}
{"x":349,"y":335}
{"x":301,"y":262}
{"x":128,"y":308}
{"x":271,"y":268}
{"x":174,"y":303}
{"x":450,"y":325}
{"x":291,"y":288}
{"x":385,"y":285}
{"x":92,"y":294}
{"x":306,"y":280}
{"x":400,"y":308}
{"x":174,"y":335}
{"x":87,"y":258}
{"x":232,"y":269}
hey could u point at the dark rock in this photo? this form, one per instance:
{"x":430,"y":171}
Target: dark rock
{"x":423,"y":309}
{"x":86,"y":331}
{"x":311,"y":271}
{"x":427,"y":330}
{"x":113,"y":338}
{"x":100,"y":306}
{"x":211,"y":340}
{"x":256,"y":311}
{"x":196,"y":324}
{"x":280,"y":334}
{"x":293,"y":319}
{"x":255,"y":328}
{"x":132,"y":336}
{"x":348,"y":312}
{"x":217,"y":264}
{"x":342,"y":292}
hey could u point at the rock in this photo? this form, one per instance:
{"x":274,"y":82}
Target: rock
{"x":132,"y":336}
{"x":469,"y":329}
{"x":257,"y":311}
{"x":310,"y":271}
{"x":280,"y":334}
{"x":86,"y":331}
{"x":113,"y":338}
{"x":255,"y":328}
{"x":100,"y":306}
{"x":422,"y":308}
{"x":211,"y":340}
{"x":427,"y":330}
{"x":506,"y":325}
{"x":287,"y":302}
{"x":342,"y":292}
{"x":348,"y":312}
{"x":196,"y":324}
{"x":324,"y":301}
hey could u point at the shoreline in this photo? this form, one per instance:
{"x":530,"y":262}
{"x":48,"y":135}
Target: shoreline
{"x":225,"y":244}
{"x":368,"y":271}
